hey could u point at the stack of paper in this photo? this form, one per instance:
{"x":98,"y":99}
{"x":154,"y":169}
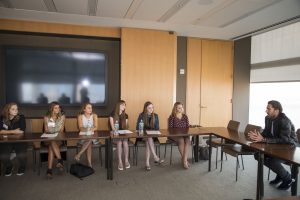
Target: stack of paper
{"x":86,"y":133}
{"x":124,"y":132}
{"x":49,"y":135}
{"x":152,"y":132}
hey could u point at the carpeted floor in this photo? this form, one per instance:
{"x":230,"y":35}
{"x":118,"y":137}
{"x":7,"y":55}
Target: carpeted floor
{"x":162,"y":182}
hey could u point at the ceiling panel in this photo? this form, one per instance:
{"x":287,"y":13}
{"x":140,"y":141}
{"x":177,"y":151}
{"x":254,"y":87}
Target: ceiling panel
{"x":72,"y":6}
{"x":113,"y":8}
{"x":234,"y":12}
{"x":153,"y":9}
{"x":193,"y":10}
{"x":29,"y":4}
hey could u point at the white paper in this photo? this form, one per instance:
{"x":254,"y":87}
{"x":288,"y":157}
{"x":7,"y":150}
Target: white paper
{"x":153,"y":132}
{"x":49,"y":135}
{"x":124,"y":132}
{"x":86,"y":133}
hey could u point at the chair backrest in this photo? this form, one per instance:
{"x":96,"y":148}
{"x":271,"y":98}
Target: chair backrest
{"x":102,"y":123}
{"x":233,"y":125}
{"x":298,"y":135}
{"x":251,"y":127}
{"x":71,"y":125}
{"x":37,"y":125}
{"x":28,"y":125}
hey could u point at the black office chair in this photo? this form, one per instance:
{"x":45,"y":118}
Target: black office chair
{"x":238,"y":150}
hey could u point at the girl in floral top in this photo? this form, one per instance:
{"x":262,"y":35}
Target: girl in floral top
{"x":54,"y":122}
{"x":178,"y":119}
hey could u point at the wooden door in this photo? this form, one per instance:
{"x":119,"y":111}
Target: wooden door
{"x":216,"y":83}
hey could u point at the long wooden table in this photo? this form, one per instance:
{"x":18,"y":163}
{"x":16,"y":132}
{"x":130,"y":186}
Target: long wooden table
{"x":284,"y":152}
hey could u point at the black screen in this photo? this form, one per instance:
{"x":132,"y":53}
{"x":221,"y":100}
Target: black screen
{"x":40,"y":76}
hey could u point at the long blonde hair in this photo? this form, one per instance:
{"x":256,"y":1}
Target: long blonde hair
{"x":173,"y":114}
{"x":5,"y":113}
{"x":51,"y":108}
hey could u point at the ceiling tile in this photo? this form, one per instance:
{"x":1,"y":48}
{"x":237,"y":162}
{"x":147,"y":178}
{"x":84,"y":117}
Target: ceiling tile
{"x":234,"y":12}
{"x":153,"y":9}
{"x":193,"y":10}
{"x":113,"y":8}
{"x":72,"y":6}
{"x":29,"y":5}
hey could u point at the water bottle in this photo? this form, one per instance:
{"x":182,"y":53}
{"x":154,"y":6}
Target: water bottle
{"x":141,"y":127}
{"x":116,"y":127}
{"x":89,"y":129}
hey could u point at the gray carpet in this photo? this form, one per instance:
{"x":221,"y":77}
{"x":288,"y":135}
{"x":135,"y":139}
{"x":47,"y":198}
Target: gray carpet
{"x":162,"y":182}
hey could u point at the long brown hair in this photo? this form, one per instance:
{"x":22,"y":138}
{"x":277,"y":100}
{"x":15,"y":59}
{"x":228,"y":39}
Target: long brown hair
{"x":51,"y":108}
{"x":5,"y":113}
{"x":145,"y":115}
{"x":121,"y":117}
{"x":173,"y":114}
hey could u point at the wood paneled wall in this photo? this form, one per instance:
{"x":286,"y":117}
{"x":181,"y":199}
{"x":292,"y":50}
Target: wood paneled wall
{"x":56,"y":28}
{"x":148,"y":72}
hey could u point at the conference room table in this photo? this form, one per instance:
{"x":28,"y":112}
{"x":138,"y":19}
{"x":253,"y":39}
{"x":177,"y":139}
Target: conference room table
{"x":285,"y":152}
{"x":36,"y":137}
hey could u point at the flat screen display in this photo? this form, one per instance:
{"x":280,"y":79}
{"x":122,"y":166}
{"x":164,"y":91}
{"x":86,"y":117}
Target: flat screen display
{"x":40,"y":76}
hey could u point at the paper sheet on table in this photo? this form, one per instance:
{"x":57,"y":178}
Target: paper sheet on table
{"x":86,"y":133}
{"x":124,"y":132}
{"x":49,"y":135}
{"x":153,"y":132}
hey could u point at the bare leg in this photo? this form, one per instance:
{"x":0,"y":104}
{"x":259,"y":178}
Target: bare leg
{"x":84,"y":147}
{"x":56,"y":150}
{"x":89,"y":154}
{"x":147,"y":153}
{"x":50,"y":157}
{"x":152,"y":149}
{"x":119,"y":152}
{"x":187,"y":146}
{"x":180,"y":143}
{"x":125,"y":147}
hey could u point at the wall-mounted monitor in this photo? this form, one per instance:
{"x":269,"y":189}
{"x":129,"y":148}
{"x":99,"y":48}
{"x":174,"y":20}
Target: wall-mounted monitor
{"x":42,"y":75}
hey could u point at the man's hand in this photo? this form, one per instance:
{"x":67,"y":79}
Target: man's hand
{"x":255,"y":136}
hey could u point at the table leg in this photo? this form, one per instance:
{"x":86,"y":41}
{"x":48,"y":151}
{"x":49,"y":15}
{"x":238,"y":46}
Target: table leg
{"x":260,"y":174}
{"x":106,"y":154}
{"x":109,"y":158}
{"x":209,"y":154}
{"x":295,"y":171}
{"x":196,"y":148}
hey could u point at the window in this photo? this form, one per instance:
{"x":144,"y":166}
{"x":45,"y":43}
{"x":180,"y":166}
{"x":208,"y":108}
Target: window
{"x":287,"y":93}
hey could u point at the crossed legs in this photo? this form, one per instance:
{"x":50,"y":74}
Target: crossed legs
{"x":86,"y":147}
{"x":150,"y":149}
